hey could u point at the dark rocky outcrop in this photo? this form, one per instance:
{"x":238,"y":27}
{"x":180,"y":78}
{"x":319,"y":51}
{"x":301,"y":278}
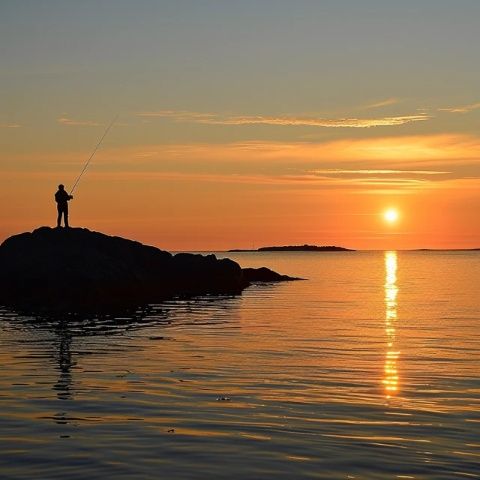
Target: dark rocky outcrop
{"x":79,"y":270}
{"x":264,"y":274}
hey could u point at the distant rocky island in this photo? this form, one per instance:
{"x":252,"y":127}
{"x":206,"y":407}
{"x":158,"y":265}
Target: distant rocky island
{"x":65,"y":270}
{"x":297,"y":248}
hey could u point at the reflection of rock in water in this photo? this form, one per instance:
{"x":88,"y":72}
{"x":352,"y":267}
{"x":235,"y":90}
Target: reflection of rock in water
{"x":63,"y":340}
{"x":60,"y":336}
{"x":63,"y":387}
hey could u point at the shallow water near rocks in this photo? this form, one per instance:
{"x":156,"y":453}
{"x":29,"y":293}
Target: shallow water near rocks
{"x":367,"y":370}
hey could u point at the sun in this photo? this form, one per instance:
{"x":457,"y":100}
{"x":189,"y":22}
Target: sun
{"x":391,"y":215}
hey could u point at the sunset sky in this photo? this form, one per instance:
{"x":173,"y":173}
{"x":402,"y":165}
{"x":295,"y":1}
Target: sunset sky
{"x":247,"y":123}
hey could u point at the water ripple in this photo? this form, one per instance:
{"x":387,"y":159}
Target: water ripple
{"x":288,"y":381}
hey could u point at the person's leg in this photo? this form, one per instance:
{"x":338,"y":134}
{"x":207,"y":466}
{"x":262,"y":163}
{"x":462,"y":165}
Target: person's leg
{"x":65,"y":216}
{"x":59,"y":216}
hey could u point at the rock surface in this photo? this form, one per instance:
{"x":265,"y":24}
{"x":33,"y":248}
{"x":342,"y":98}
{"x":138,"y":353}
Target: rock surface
{"x":264,"y":274}
{"x":76,"y":269}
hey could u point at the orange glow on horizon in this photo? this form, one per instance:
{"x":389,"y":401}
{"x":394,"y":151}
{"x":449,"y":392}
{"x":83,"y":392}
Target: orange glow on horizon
{"x":222,"y":196}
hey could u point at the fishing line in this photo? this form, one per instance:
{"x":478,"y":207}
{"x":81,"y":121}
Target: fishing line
{"x":93,"y":153}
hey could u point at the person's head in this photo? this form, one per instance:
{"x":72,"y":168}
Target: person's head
{"x":61,"y":187}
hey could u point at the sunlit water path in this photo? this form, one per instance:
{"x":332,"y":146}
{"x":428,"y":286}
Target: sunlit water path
{"x":368,"y":370}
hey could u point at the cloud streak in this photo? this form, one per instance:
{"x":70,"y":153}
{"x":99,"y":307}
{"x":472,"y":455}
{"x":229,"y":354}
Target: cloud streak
{"x":461,"y":109}
{"x":300,"y":180}
{"x":418,"y":153}
{"x":9,"y":125}
{"x":337,"y":171}
{"x":214,"y":119}
{"x":383,"y":103}
{"x":76,"y":123}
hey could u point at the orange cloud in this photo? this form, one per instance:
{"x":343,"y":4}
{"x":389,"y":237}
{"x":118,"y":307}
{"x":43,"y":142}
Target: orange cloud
{"x":338,"y":171}
{"x":373,"y":163}
{"x":213,"y":119}
{"x":401,"y":155}
{"x":404,"y":150}
{"x":300,"y":180}
{"x":418,"y":150}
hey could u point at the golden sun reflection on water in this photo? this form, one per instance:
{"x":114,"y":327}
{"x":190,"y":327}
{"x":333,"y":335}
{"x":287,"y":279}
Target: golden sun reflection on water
{"x":390,"y":380}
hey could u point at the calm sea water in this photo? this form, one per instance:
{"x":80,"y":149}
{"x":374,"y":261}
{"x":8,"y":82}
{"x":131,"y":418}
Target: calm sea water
{"x":368,"y":370}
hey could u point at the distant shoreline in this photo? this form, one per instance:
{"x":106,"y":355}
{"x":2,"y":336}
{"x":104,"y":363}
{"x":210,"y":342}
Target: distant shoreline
{"x":340,"y":249}
{"x":442,"y":250}
{"x":295,"y":248}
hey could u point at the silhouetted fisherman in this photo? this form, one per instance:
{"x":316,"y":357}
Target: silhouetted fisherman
{"x":62,"y":198}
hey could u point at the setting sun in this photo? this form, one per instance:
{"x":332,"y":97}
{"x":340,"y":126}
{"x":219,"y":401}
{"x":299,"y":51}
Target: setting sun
{"x":390,"y":215}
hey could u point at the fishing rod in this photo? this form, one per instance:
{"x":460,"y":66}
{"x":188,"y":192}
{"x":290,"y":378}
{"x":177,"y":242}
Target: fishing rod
{"x":93,"y":153}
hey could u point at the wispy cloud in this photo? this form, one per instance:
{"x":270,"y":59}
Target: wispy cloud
{"x":214,"y":119}
{"x":383,"y":103}
{"x":9,"y":125}
{"x":180,"y":115}
{"x":374,"y":184}
{"x":300,"y":180}
{"x":412,"y":153}
{"x":419,"y":150}
{"x":338,"y":171}
{"x":324,"y":122}
{"x":462,"y":108}
{"x":399,"y":165}
{"x":76,"y":123}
